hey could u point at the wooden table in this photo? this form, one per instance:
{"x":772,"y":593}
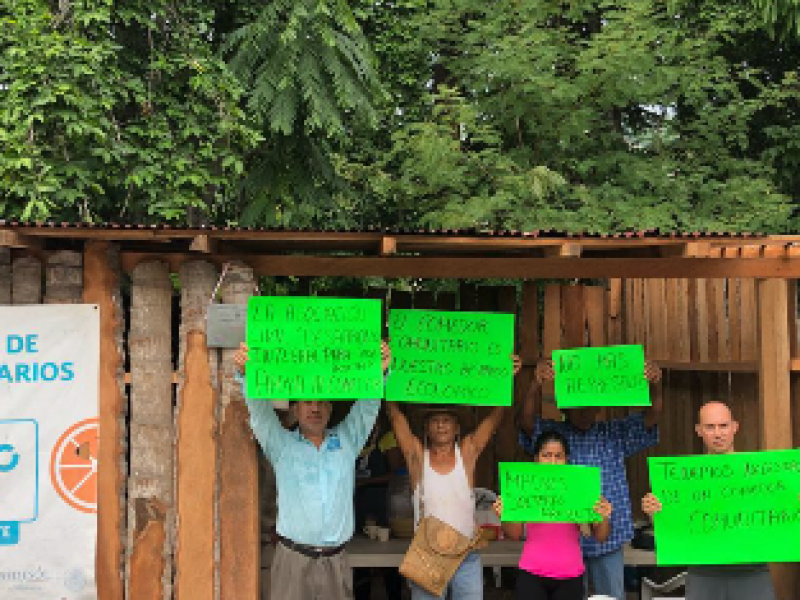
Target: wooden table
{"x":364,"y":552}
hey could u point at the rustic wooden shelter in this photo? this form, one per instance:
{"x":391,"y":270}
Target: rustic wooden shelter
{"x":178,"y":511}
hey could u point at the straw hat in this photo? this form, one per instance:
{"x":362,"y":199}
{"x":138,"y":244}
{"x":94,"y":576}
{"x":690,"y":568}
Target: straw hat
{"x":464,"y":415}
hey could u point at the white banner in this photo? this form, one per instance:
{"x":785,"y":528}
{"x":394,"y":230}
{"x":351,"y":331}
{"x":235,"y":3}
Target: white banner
{"x":49,"y":359}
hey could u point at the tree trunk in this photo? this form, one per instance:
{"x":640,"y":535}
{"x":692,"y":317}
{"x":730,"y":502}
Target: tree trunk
{"x":238,"y":493}
{"x":102,"y":287}
{"x":150,"y":486}
{"x":196,"y":443}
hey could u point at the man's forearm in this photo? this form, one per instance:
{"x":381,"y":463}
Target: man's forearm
{"x":653,"y":414}
{"x":531,"y":407}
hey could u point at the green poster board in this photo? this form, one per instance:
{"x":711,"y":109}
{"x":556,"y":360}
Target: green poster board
{"x":451,"y":357}
{"x":544,"y":493}
{"x":601,"y":376}
{"x":727,"y":509}
{"x":313,"y":348}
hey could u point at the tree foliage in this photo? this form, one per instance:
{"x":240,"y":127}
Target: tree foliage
{"x":413,"y":113}
{"x":115,"y":110}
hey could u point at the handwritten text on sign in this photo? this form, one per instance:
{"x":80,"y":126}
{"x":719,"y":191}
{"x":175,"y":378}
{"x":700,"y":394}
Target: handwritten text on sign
{"x":545,"y":493}
{"x":305,"y":348}
{"x":451,"y":357}
{"x":732,"y":508}
{"x":604,"y":376}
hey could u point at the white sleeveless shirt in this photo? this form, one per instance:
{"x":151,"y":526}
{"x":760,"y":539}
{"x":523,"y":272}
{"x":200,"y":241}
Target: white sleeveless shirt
{"x":447,"y":497}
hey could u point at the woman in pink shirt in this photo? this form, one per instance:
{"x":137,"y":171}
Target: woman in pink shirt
{"x":551,"y":566}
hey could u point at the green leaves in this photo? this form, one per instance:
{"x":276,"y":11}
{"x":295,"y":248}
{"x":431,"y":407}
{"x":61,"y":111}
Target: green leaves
{"x":92,"y":129}
{"x":441,"y":113}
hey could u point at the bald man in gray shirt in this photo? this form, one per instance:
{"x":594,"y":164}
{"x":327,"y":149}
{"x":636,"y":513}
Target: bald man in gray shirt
{"x":717,"y":428}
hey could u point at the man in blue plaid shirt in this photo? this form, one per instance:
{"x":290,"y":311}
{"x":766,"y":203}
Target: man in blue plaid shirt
{"x":604,"y":444}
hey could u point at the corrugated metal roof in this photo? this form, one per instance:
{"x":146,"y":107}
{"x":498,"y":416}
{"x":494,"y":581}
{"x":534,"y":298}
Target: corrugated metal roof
{"x":538,"y":233}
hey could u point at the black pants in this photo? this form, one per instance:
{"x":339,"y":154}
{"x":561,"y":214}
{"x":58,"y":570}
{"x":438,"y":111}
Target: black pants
{"x":533,"y":587}
{"x":362,"y":583}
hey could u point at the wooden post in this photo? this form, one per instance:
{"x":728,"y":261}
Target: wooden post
{"x":508,"y":447}
{"x":64,"y":278}
{"x":150,"y":486}
{"x":5,"y":276}
{"x":774,"y":399}
{"x":101,"y":286}
{"x":238,"y":469}
{"x":196,"y":440}
{"x":774,"y":372}
{"x":26,"y":285}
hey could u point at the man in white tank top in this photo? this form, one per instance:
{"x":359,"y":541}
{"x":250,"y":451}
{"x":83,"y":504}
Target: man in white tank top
{"x":442,"y":470}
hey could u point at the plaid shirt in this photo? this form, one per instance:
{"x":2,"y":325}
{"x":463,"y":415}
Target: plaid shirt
{"x":606,"y":445}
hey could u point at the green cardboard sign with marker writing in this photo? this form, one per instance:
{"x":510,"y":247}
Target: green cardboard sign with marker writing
{"x":451,"y":357}
{"x":307,"y":348}
{"x":600,"y":376}
{"x":545,"y":493}
{"x":727,"y":509}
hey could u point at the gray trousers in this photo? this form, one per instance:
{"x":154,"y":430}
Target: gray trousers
{"x":298,"y":577}
{"x":743,"y":585}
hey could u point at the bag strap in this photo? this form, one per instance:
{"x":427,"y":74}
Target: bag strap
{"x":422,"y":478}
{"x":225,"y":268}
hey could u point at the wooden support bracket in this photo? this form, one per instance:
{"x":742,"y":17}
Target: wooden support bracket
{"x":563,"y":251}
{"x":388,"y":245}
{"x":204,"y":244}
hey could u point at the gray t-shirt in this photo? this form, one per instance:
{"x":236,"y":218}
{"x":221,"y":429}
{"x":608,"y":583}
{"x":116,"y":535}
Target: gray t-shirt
{"x":727,"y":570}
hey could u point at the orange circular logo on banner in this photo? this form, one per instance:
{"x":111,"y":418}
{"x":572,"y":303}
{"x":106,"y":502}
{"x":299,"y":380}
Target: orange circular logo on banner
{"x":73,"y":466}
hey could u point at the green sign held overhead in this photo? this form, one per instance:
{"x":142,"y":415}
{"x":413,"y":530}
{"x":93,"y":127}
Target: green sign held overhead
{"x":603,"y":376}
{"x":727,"y":509}
{"x":451,"y":357}
{"x":545,"y":493}
{"x":306,"y":348}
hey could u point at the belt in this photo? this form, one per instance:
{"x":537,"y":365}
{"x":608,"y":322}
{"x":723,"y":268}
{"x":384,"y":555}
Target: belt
{"x":311,"y":551}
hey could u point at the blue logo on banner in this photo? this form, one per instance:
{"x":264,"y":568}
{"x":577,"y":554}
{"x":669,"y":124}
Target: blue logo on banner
{"x":11,"y":462}
{"x":9,"y":533}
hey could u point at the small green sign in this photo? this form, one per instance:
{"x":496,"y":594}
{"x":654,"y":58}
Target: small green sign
{"x":727,"y":509}
{"x":545,"y":493}
{"x":307,"y":348}
{"x":601,"y":376}
{"x":451,"y":357}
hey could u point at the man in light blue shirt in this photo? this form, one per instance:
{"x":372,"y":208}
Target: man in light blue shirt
{"x":315,"y":474}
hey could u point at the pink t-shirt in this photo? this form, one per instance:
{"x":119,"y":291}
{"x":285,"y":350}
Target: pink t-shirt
{"x":552,"y":550}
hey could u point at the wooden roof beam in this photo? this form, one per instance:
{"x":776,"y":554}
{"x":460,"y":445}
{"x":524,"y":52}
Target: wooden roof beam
{"x":491,"y":267}
{"x":15,"y":239}
{"x":388,"y":245}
